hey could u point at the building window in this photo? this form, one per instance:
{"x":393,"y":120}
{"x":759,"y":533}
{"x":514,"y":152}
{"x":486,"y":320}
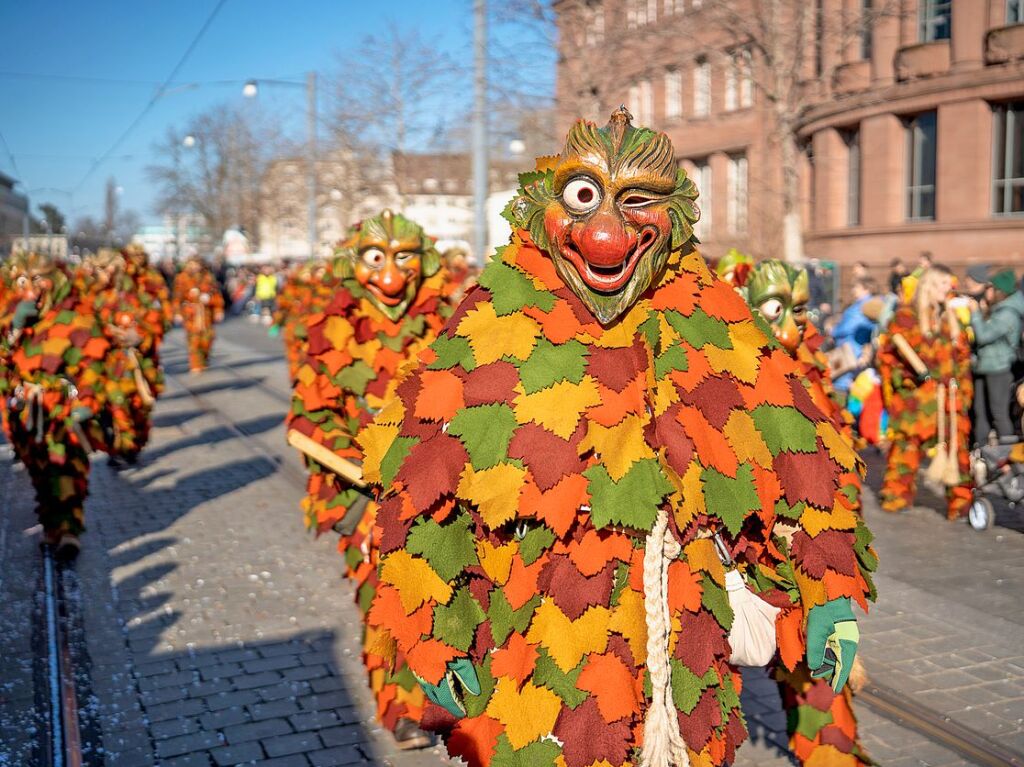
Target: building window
{"x":641,"y":102}
{"x":702,"y":178}
{"x":673,"y":94}
{"x":1015,"y":11}
{"x":1008,"y":159}
{"x":672,"y":7}
{"x":852,"y":139}
{"x":921,"y":139}
{"x":935,"y":20}
{"x":730,"y":100}
{"x":652,"y":11}
{"x":637,"y":12}
{"x":702,"y":88}
{"x":593,"y":21}
{"x":739,"y":85}
{"x":646,"y":109}
{"x":737,"y":194}
{"x":865,"y":29}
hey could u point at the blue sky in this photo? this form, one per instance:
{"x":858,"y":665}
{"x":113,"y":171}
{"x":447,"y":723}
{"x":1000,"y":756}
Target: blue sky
{"x":55,"y":128}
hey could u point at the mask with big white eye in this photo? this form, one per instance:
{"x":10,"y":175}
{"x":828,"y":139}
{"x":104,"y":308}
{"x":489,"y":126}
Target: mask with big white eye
{"x":608,"y":211}
{"x":779,"y":292}
{"x":389,"y":256}
{"x":35,"y":277}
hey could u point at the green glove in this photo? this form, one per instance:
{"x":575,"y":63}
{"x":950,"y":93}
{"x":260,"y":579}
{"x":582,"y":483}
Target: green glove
{"x":832,"y":637}
{"x":445,"y":694}
{"x":273,"y":331}
{"x":23,"y":312}
{"x":81,"y":414}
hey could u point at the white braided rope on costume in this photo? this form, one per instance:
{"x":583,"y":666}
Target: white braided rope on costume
{"x":663,"y":743}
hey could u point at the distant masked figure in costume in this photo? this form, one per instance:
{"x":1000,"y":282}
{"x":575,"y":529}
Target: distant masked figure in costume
{"x":51,"y":369}
{"x":924,"y":360}
{"x":821,"y":726}
{"x":130,"y":378}
{"x":587,"y":468}
{"x":157,"y":311}
{"x":389,"y":304}
{"x":199,"y":304}
{"x":308,"y":288}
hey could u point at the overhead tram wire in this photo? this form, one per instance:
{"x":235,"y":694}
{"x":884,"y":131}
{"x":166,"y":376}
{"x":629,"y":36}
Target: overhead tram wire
{"x":10,"y":156}
{"x":155,"y":98}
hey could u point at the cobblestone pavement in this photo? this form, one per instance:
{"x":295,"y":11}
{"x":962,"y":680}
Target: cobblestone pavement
{"x":218,"y":632}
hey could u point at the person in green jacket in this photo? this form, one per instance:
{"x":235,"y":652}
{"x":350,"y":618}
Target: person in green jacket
{"x":997,"y":333}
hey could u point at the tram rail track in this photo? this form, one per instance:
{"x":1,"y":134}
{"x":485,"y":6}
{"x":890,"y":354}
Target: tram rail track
{"x":885,"y":701}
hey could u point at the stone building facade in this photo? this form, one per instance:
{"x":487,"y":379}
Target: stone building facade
{"x":910,"y":134}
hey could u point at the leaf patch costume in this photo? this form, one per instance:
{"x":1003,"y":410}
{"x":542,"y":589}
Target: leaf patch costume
{"x":822,"y":726}
{"x":199,"y":303}
{"x":557,"y":467}
{"x":917,"y":401}
{"x":390,"y":302}
{"x":51,"y":368}
{"x":308,"y":288}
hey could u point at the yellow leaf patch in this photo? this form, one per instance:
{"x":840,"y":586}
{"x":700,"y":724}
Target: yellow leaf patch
{"x":559,"y":407}
{"x":528,"y":713}
{"x":492,"y":337}
{"x":415,"y":580}
{"x":746,"y":440}
{"x":568,"y":641}
{"x":619,"y":446}
{"x":495,"y":491}
{"x":496,"y":560}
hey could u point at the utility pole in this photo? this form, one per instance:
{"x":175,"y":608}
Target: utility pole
{"x":480,"y":129}
{"x":311,"y":160}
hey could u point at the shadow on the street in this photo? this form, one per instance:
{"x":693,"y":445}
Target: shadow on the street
{"x":226,"y":703}
{"x":215,"y":435}
{"x":762,"y":708}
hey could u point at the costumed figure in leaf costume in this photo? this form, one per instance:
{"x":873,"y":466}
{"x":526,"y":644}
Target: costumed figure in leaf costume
{"x":51,"y":368}
{"x":389,"y":305}
{"x":821,"y":725}
{"x":924,"y":359}
{"x":133,"y":326}
{"x":199,"y":304}
{"x":308,"y":288}
{"x":599,"y":430}
{"x":157,"y":312}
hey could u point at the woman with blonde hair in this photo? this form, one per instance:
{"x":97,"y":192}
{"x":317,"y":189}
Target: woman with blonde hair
{"x":925,"y":363}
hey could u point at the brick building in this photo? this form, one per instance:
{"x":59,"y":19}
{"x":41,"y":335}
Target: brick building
{"x":909,"y":134}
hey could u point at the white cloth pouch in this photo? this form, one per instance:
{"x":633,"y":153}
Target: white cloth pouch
{"x":752,"y":637}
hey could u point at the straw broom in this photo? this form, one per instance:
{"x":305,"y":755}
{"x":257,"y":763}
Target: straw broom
{"x":951,"y":476}
{"x":937,"y":470}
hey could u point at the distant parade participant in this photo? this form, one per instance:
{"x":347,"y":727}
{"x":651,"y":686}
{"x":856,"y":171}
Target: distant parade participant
{"x":821,"y":726}
{"x":51,"y":368}
{"x":198,"y":304}
{"x":390,"y":304}
{"x":134,"y":325}
{"x":308,"y":288}
{"x":583,"y":476}
{"x":924,"y":360}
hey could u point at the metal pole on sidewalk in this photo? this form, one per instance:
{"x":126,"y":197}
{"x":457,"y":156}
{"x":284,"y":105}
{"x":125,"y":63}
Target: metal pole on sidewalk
{"x":480,"y":129}
{"x":311,"y":160}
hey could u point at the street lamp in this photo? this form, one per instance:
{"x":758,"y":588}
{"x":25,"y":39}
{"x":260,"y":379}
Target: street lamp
{"x":251,"y":90}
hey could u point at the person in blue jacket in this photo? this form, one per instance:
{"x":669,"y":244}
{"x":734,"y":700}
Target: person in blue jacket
{"x":855,"y":330}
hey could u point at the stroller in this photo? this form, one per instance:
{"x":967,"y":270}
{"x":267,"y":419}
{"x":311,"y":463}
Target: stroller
{"x":998,"y":470}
